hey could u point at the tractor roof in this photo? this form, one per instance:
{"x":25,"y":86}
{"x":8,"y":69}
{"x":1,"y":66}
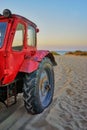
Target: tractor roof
{"x":7,"y":14}
{"x":24,"y":19}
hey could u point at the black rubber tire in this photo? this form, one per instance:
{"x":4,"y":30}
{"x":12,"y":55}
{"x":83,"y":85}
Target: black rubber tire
{"x":31,"y":89}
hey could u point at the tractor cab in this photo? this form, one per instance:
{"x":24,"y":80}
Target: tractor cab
{"x":17,"y":41}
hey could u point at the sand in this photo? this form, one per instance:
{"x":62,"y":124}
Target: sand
{"x":68,"y":110}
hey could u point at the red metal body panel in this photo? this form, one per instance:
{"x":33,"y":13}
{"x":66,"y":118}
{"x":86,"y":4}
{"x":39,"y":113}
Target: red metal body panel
{"x":2,"y":64}
{"x":30,"y":64}
{"x":13,"y":63}
{"x":18,"y":62}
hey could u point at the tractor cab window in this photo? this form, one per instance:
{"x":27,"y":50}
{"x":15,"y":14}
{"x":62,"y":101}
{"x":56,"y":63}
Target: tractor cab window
{"x":3,"y":26}
{"x":31,"y":36}
{"x":18,"y":38}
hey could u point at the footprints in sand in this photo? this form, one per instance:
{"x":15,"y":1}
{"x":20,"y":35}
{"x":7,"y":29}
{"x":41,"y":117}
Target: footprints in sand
{"x":70,"y":111}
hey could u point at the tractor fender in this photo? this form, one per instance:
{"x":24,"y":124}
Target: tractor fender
{"x":31,"y":63}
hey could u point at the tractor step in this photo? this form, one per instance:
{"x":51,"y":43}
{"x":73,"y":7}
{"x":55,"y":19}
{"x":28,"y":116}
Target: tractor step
{"x":11,"y":95}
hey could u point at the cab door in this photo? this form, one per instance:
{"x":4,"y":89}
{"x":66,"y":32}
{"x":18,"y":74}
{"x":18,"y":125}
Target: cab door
{"x":16,"y":54}
{"x":18,"y":46}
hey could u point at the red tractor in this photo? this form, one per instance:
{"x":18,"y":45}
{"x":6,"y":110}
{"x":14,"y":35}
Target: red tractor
{"x":23,"y":68}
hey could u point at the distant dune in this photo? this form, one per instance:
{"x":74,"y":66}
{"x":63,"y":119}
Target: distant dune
{"x":77,"y":52}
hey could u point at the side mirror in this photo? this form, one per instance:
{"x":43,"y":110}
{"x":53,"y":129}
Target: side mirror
{"x":37,"y":30}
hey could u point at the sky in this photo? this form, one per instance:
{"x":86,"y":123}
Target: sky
{"x":62,"y":23}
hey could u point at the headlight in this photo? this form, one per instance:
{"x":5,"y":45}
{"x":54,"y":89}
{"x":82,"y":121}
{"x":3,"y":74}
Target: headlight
{"x":7,"y":13}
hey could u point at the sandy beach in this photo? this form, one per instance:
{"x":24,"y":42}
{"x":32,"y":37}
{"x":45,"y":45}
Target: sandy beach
{"x":68,"y":110}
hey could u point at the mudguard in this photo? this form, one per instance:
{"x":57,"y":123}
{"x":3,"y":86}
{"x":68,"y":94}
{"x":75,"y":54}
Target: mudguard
{"x":31,"y":64}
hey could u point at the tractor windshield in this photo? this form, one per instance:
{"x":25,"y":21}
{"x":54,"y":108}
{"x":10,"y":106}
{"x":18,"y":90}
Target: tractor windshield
{"x":3,"y":26}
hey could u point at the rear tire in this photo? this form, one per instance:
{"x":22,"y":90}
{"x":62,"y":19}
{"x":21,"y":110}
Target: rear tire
{"x":39,"y":88}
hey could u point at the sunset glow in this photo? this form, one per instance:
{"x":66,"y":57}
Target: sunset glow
{"x":62,"y":23}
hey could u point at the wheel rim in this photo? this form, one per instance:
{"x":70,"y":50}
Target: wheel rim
{"x":44,"y":89}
